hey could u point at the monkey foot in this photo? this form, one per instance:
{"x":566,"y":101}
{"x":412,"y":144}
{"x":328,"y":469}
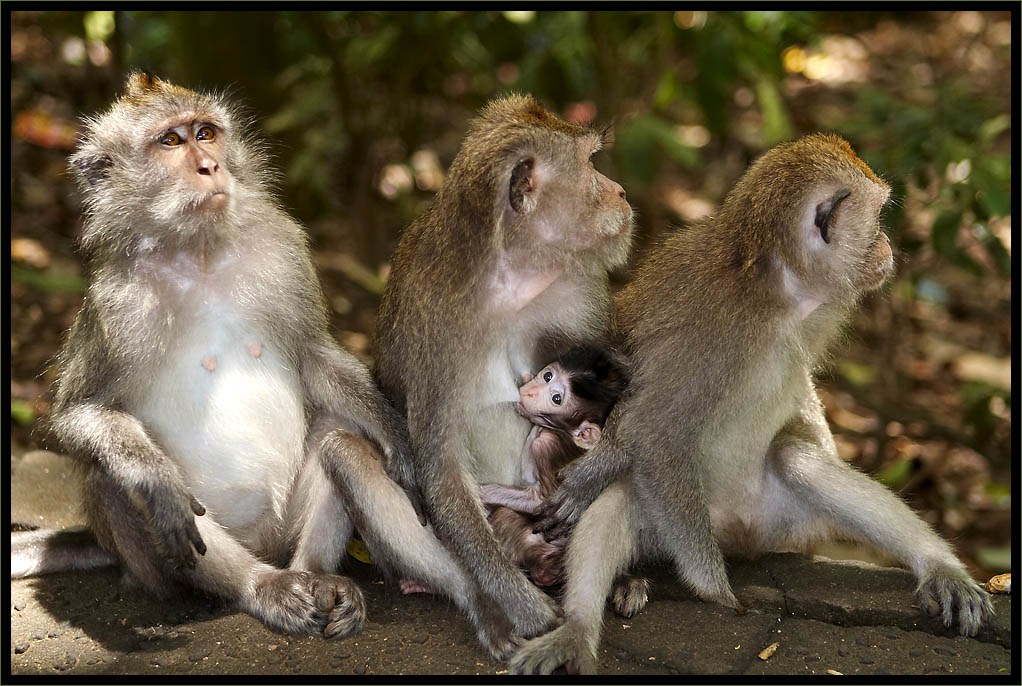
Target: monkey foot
{"x":631,"y":593}
{"x":562,"y":646}
{"x":947,"y":590}
{"x":303,"y":602}
{"x":410,"y":586}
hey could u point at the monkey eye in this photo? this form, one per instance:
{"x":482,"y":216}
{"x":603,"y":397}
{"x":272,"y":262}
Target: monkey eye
{"x":206,"y":133}
{"x":170,"y":138}
{"x":825,"y":213}
{"x":556,"y":397}
{"x":547,"y":375}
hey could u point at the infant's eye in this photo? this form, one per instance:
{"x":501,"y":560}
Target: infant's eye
{"x":547,"y":376}
{"x":556,"y":398}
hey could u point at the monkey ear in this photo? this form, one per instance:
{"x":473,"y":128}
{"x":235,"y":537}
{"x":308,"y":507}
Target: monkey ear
{"x":522,"y":187}
{"x":92,"y":168}
{"x":586,"y":435}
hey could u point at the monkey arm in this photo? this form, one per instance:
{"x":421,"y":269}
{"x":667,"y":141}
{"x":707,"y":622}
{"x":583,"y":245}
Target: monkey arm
{"x":117,"y":443}
{"x":582,"y":482}
{"x":338,"y":386}
{"x":804,"y":456}
{"x":526,"y":500}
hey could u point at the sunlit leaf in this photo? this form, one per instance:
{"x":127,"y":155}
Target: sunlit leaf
{"x":856,"y":374}
{"x":21,"y":412}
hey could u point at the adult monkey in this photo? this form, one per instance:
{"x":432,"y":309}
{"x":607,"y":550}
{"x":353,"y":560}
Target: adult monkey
{"x":725,"y":437}
{"x":227,"y":443}
{"x":507,"y":268}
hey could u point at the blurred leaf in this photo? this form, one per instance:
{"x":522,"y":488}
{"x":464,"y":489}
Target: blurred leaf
{"x":991,"y":128}
{"x":931,"y":291}
{"x":22,"y":412}
{"x":998,"y":491}
{"x":897,"y":474}
{"x":52,"y":280}
{"x":945,"y":241}
{"x":856,"y":374}
{"x":776,"y":122}
{"x":643,"y":141}
{"x":994,"y":559}
{"x":667,"y":89}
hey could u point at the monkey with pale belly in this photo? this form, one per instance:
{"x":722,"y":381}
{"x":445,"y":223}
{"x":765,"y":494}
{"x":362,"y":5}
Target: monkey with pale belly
{"x":721,"y":444}
{"x":227,"y":444}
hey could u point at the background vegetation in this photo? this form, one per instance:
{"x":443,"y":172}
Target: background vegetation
{"x":365,"y":110}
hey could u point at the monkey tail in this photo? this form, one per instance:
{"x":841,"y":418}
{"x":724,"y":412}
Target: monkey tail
{"x":46,"y":551}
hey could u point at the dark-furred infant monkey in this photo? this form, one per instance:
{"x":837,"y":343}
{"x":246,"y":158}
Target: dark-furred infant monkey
{"x":567,"y":401}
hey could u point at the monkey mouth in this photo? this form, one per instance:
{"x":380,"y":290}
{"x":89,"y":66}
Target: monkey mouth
{"x":213,"y":200}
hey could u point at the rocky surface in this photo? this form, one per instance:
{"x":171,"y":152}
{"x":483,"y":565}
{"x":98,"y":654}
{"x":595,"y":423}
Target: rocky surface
{"x":825,"y":617}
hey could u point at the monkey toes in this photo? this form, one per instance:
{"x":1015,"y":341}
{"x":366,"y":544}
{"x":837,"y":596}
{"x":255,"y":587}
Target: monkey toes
{"x":342,"y":602}
{"x":303,"y":602}
{"x":562,"y":646}
{"x":946,"y":590}
{"x":631,"y":593}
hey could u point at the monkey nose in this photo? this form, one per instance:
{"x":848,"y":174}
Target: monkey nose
{"x":208,"y":167}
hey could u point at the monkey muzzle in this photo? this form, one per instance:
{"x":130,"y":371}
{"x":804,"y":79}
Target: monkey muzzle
{"x":879,"y":263}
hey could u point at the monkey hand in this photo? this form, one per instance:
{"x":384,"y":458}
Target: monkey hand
{"x":172,"y":512}
{"x":556,"y":517}
{"x":947,"y":589}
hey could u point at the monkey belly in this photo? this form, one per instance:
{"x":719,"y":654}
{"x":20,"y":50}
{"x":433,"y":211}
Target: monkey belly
{"x":229,"y":410}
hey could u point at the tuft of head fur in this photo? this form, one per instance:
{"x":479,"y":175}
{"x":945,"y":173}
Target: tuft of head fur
{"x":597,"y":376}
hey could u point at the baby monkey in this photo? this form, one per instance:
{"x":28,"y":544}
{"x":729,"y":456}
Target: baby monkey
{"x":568,"y":402}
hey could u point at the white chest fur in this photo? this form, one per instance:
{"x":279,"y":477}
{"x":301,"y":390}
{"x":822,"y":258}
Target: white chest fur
{"x":227,"y":406}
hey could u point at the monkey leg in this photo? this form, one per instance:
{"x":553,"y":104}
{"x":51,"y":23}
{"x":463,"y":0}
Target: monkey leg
{"x":285,"y":600}
{"x":820,"y":486}
{"x":390,"y":526}
{"x":677,"y":512}
{"x":601,"y":548}
{"x":459,"y":520}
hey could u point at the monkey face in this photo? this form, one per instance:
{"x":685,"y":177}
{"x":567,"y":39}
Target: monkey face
{"x":566,"y":209}
{"x":547,"y":394}
{"x":190,"y":154}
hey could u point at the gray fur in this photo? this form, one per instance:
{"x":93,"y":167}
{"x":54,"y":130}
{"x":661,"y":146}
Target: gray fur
{"x":201,"y":368}
{"x":722,"y":442}
{"x":504,"y":270}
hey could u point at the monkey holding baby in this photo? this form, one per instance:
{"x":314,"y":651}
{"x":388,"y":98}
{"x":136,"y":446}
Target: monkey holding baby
{"x":226,"y":443}
{"x":721,"y":444}
{"x":505,"y":270}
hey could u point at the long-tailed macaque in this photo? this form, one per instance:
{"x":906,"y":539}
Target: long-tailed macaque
{"x":567,"y":402}
{"x":726,"y":439}
{"x":505,"y":269}
{"x":226,"y":442}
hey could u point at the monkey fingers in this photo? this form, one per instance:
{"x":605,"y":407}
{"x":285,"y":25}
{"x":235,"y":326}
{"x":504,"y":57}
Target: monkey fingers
{"x":558,"y":516}
{"x":172,"y":513}
{"x":946,"y":589}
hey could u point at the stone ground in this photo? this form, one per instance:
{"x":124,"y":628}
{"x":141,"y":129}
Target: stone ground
{"x":826,"y":617}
